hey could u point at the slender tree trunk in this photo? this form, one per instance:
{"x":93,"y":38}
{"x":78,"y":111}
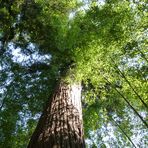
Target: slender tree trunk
{"x":60,"y":125}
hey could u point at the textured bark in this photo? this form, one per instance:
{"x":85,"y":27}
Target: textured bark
{"x":60,"y":125}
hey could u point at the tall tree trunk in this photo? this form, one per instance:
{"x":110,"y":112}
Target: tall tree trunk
{"x":60,"y":125}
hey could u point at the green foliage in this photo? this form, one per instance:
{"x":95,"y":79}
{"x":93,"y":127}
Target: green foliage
{"x":103,"y":46}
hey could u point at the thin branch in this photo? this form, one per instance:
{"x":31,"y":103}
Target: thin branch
{"x":125,"y":99}
{"x":123,"y":75}
{"x":38,"y":67}
{"x":124,"y":132}
{"x":143,"y":56}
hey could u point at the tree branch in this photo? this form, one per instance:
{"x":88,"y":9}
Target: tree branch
{"x":125,"y":99}
{"x":123,"y":132}
{"x":123,"y":75}
{"x":38,"y":67}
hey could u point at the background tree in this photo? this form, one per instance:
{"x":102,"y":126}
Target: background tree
{"x":103,"y":45}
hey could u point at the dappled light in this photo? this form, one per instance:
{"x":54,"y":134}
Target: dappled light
{"x":73,"y":74}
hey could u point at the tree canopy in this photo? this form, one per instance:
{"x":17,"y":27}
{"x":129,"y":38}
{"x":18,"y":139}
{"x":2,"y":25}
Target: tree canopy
{"x":99,"y":43}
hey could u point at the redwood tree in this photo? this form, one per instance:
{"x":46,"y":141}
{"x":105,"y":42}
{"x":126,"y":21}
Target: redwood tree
{"x":59,"y":54}
{"x":60,"y":125}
